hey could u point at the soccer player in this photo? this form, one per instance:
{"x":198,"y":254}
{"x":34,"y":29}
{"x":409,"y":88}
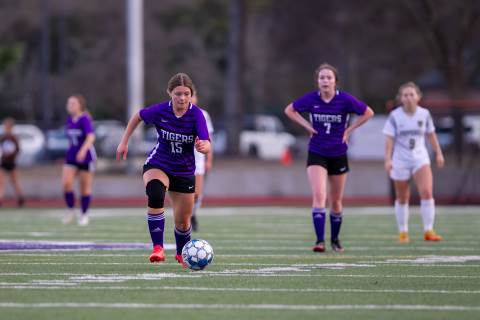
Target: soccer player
{"x":406,"y":156}
{"x":329,"y":129}
{"x":181,"y":127}
{"x":80,"y":158}
{"x":203,"y":164}
{"x":9,"y":149}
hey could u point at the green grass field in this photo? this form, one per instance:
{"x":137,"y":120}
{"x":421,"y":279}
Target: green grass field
{"x":263,"y":268}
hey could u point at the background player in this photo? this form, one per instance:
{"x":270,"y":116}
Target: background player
{"x":203,"y":164}
{"x":9,"y":149}
{"x":80,"y":158}
{"x":171,"y":164}
{"x":329,"y":111}
{"x":406,"y":156}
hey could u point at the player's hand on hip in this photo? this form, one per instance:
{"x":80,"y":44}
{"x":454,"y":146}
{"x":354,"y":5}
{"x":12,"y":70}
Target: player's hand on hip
{"x":122,"y":151}
{"x":388,"y":165}
{"x":440,"y":160}
{"x":311,"y":131}
{"x":81,"y":156}
{"x":346,"y":136}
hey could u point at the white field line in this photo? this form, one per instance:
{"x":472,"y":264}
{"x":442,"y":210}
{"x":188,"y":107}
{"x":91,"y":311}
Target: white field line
{"x":295,"y":307}
{"x":75,"y":286}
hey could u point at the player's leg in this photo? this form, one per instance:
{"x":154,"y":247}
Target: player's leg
{"x":199,"y":182}
{"x":14,"y":178}
{"x":337,"y":187}
{"x":182,"y":210}
{"x":2,"y":186}
{"x":68,"y":177}
{"x":317,"y":176}
{"x":424,"y":182}
{"x":156,"y":183}
{"x":86,"y":181}
{"x":402,"y":198}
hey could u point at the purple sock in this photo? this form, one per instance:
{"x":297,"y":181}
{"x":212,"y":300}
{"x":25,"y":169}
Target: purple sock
{"x":318,"y":216}
{"x":181,"y":238}
{"x":69,"y":199}
{"x":85,"y":203}
{"x":156,"y":226}
{"x":335,"y":224}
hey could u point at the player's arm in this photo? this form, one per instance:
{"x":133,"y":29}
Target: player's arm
{"x":432,"y":139}
{"x":297,"y":117}
{"x":122,"y":148}
{"x":203,"y":146}
{"x":367,"y":115}
{"x":87,"y":144}
{"x":389,"y":141}
{"x":209,"y":158}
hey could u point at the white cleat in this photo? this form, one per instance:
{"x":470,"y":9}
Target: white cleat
{"x":84,"y":220}
{"x":68,"y":216}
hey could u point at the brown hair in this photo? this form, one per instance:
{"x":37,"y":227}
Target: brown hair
{"x":409,"y":84}
{"x":9,"y":121}
{"x":328,"y":67}
{"x":181,"y":79}
{"x":82,"y":102}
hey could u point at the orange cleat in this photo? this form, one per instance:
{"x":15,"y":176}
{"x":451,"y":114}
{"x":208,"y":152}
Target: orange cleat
{"x":430,"y":235}
{"x":158,"y":254}
{"x":403,"y":237}
{"x":179,"y":259}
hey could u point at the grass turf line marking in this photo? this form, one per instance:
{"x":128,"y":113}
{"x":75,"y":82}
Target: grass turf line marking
{"x":74,"y":286}
{"x":295,"y":307}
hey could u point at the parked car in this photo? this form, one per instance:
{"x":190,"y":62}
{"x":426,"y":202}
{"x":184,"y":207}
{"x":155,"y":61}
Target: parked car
{"x":32,"y":143}
{"x":471,"y":130}
{"x":264,"y":136}
{"x":57,"y":143}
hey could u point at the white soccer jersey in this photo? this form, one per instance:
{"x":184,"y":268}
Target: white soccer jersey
{"x":200,"y":157}
{"x":408,"y":132}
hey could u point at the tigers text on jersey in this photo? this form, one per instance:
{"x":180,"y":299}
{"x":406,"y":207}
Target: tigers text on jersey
{"x":77,"y":131}
{"x":173,"y":152}
{"x":329,"y":119}
{"x":408,"y":132}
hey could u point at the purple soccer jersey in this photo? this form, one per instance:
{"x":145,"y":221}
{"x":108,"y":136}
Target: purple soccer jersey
{"x":77,"y":132}
{"x":330,"y":120}
{"x":173,"y":152}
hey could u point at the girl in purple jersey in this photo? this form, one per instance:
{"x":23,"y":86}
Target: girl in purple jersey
{"x":181,"y":127}
{"x":79,"y":159}
{"x":329,"y":129}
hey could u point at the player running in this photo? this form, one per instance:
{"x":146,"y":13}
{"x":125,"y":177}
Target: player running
{"x":406,"y":156}
{"x":181,"y":127}
{"x":329,"y":110}
{"x":203,"y":164}
{"x":9,"y":149}
{"x":80,"y":158}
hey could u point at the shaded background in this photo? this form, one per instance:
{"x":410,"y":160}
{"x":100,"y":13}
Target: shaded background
{"x":245,"y":57}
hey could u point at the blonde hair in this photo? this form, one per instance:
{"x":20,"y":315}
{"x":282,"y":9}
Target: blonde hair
{"x":406,"y":85}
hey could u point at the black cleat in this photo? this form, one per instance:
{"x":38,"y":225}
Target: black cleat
{"x":21,"y":202}
{"x":337,"y":246}
{"x":194,"y":223}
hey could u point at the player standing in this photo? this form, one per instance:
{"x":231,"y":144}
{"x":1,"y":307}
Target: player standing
{"x":80,"y":158}
{"x":203,"y":164}
{"x":181,"y":127}
{"x":406,"y":156}
{"x":329,"y":111}
{"x":9,"y":149}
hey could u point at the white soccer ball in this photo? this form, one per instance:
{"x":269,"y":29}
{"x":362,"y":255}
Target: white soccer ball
{"x":197,"y":254}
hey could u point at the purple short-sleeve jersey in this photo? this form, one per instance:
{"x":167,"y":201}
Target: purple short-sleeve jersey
{"x":330,"y":120}
{"x":173,"y":152}
{"x":77,"y":131}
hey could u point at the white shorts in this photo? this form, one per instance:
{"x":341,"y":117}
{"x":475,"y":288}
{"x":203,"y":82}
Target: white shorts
{"x":199,"y":163}
{"x":403,"y":171}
